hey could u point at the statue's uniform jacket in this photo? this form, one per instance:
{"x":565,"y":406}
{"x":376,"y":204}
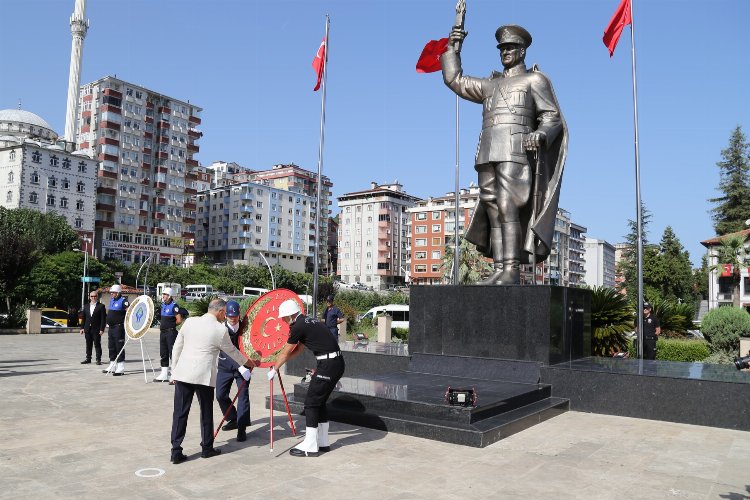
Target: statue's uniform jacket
{"x":515,"y":102}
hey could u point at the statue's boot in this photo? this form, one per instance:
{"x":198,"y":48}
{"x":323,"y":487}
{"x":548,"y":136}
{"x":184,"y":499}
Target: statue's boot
{"x":511,"y":234}
{"x":496,"y":241}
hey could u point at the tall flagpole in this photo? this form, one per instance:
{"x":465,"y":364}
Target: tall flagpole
{"x":458,"y":199}
{"x":639,"y":215}
{"x":320,"y":173}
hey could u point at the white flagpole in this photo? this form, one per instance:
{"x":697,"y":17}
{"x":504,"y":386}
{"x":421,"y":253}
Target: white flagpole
{"x":320,"y":173}
{"x":639,"y":214}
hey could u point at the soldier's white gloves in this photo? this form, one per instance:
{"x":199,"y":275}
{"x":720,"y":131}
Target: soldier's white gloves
{"x":271,"y":373}
{"x":245,"y":373}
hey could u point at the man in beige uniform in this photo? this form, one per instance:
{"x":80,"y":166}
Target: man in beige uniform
{"x":194,"y":360}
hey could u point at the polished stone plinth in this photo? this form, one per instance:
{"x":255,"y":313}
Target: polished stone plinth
{"x":414,"y":404}
{"x":544,"y":324}
{"x":691,"y":393}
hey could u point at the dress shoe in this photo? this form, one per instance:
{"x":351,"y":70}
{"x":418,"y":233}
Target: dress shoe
{"x":99,"y":362}
{"x":179,"y":458}
{"x":241,"y":434}
{"x":230,"y":425}
{"x":212,"y":452}
{"x":324,"y":449}
{"x":86,"y":362}
{"x":299,"y":453}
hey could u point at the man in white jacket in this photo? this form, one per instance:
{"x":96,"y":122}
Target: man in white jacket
{"x":194,"y":360}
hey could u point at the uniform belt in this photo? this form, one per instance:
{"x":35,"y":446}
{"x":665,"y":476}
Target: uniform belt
{"x":330,"y":355}
{"x":507,"y":119}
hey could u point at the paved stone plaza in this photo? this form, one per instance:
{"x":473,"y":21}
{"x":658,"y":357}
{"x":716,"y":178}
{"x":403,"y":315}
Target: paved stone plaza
{"x":71,"y":432}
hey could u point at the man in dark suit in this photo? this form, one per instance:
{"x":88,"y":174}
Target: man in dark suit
{"x":94,"y":321}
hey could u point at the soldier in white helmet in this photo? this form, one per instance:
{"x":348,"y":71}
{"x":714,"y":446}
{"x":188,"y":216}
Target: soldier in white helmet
{"x":316,"y":337}
{"x":171,"y":315}
{"x":118,"y":306}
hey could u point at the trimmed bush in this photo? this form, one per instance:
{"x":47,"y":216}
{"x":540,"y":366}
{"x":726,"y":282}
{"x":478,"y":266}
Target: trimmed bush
{"x":400,"y":335}
{"x":724,"y":326}
{"x":674,"y":349}
{"x":682,"y":350}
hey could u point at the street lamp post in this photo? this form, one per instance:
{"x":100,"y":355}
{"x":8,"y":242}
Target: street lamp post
{"x":84,"y":283}
{"x":273,"y":282}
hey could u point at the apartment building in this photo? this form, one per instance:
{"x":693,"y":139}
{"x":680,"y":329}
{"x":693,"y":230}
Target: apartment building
{"x":42,"y":173}
{"x":433,"y":225}
{"x":374,"y":235}
{"x":237,"y":221}
{"x":600,"y":263}
{"x":145,"y":143}
{"x":294,"y":178}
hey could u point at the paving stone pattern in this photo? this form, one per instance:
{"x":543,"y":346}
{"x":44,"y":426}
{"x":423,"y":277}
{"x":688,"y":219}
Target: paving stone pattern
{"x":68,"y":431}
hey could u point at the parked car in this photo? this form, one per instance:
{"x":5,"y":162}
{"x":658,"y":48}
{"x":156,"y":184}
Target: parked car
{"x":56,"y":315}
{"x":50,"y":323}
{"x":192,"y":296}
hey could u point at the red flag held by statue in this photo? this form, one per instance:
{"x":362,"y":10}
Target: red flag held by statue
{"x":429,"y":60}
{"x":319,"y":63}
{"x":618,"y":22}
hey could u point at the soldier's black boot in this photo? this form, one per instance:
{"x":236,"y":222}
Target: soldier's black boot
{"x":496,"y":241}
{"x":511,"y":274}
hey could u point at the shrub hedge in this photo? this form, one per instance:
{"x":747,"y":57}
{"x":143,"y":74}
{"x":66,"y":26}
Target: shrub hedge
{"x":724,"y":326}
{"x":678,"y":350}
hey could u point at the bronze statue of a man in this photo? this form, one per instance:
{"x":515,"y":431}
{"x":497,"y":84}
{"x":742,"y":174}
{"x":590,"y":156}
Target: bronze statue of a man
{"x":520,"y":156}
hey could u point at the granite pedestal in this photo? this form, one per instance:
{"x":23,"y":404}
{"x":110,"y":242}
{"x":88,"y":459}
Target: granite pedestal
{"x":493,"y":339}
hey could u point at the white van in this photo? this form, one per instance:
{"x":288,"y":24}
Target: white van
{"x":199,"y":290}
{"x":251,"y":290}
{"x":176,"y":289}
{"x":399,"y":313}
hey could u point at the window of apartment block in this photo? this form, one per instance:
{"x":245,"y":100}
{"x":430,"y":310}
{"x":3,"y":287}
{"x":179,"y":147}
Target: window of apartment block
{"x":258,"y":229}
{"x":437,"y":241}
{"x":436,"y":268}
{"x":81,"y":187}
{"x":82,"y":167}
{"x":436,"y":215}
{"x":436,"y":228}
{"x":420,"y":268}
{"x":34,"y":178}
{"x":420,"y":229}
{"x":36,"y":157}
{"x":66,"y":163}
{"x":51,"y":200}
{"x":420,"y":255}
{"x":33,"y":197}
{"x":79,"y":204}
{"x":436,"y":254}
{"x":421,"y":216}
{"x":420,"y":242}
{"x":79,"y":223}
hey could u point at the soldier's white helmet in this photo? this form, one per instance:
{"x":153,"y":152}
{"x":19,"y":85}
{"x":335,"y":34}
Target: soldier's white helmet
{"x":288,"y":308}
{"x":167,"y":291}
{"x":115,"y":289}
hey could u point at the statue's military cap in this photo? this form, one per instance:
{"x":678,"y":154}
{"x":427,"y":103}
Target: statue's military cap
{"x":511,"y":33}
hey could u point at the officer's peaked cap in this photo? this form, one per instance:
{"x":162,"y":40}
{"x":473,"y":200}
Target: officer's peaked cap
{"x":646,"y":305}
{"x":511,"y":33}
{"x":233,"y":308}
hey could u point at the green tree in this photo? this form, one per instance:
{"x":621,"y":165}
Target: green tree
{"x":731,"y":251}
{"x":723,"y":327}
{"x":628,"y":265}
{"x":25,"y":237}
{"x":471,"y":264}
{"x":700,"y":279}
{"x":733,"y":206}
{"x":672,"y":273}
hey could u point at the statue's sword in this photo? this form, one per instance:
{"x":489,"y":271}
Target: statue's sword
{"x":460,"y":17}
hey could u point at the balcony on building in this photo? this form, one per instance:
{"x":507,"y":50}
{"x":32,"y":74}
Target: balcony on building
{"x":194,"y":134}
{"x":106,"y":173}
{"x":193,"y":147}
{"x":106,"y":190}
{"x":191,"y":162}
{"x":194,"y":119}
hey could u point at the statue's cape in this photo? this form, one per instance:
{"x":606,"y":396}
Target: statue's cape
{"x":547,"y":192}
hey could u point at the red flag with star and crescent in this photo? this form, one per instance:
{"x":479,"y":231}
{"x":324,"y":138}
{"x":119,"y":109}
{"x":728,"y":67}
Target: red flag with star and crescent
{"x":319,"y":63}
{"x":262,"y":333}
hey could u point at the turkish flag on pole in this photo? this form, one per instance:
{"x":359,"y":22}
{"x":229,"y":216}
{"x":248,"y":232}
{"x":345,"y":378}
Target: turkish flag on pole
{"x":726,"y":270}
{"x":616,"y":25}
{"x":429,"y":60}
{"x":319,"y":62}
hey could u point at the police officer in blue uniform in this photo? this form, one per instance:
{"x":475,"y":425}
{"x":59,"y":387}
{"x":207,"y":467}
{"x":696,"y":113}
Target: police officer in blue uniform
{"x":333,"y":317}
{"x":230,"y":371}
{"x":167,"y":332}
{"x":118,"y":306}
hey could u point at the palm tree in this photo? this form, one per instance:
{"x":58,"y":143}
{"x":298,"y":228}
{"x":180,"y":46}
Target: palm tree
{"x":471,"y":264}
{"x":611,"y":320}
{"x":732,"y":251}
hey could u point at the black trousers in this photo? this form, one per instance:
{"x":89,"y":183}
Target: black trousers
{"x":183,"y":399}
{"x":241,"y":414}
{"x":93,"y":339}
{"x":327,"y":374}
{"x":116,"y":341}
{"x":649,"y":347}
{"x":166,"y":343}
